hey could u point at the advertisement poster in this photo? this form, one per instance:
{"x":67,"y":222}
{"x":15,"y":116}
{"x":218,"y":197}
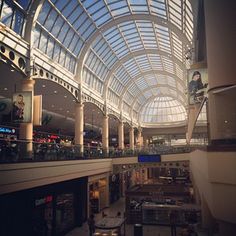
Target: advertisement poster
{"x":197,"y":85}
{"x":22,"y":107}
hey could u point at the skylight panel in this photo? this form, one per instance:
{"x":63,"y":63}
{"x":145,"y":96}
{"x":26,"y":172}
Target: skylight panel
{"x":121,"y":51}
{"x":112,"y":35}
{"x":112,"y":97}
{"x":75,"y":14}
{"x":162,"y":80}
{"x":68,"y":37}
{"x":139,"y":9}
{"x":116,"y":85}
{"x":78,"y":47}
{"x":82,"y":18}
{"x":179,"y":72}
{"x":44,"y":12}
{"x":60,"y":4}
{"x":158,"y":8}
{"x":142,"y":84}
{"x":147,"y":94}
{"x":118,"y":8}
{"x":50,"y":20}
{"x":133,"y":89}
{"x":136,"y":106}
{"x":116,"y":4}
{"x":171,"y":81}
{"x":127,"y":32}
{"x":69,"y":7}
{"x":141,"y":99}
{"x":43,"y":41}
{"x":128,"y":98}
{"x":134,"y":47}
{"x":156,"y":91}
{"x":93,"y":6}
{"x":89,"y":31}
{"x":126,"y":108}
{"x":152,"y":80}
{"x":101,"y":17}
{"x":63,"y":32}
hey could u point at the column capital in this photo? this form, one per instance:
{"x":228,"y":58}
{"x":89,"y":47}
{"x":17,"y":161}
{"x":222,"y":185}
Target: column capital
{"x":28,"y":81}
{"x":79,"y":104}
{"x":131,"y":128}
{"x":140,"y":129}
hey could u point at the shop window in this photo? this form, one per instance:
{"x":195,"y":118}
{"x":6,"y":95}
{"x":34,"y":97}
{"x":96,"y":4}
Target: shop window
{"x":65,"y":217}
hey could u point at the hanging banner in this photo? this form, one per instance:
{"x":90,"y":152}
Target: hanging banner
{"x":197,"y":85}
{"x":22,"y":107}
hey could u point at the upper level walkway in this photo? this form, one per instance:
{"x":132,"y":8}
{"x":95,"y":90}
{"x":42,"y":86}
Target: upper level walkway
{"x":13,"y":151}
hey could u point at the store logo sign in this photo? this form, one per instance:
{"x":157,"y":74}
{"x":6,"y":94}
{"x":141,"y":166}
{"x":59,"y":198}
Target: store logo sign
{"x":44,"y":200}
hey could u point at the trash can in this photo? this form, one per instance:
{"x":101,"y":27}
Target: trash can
{"x":138,"y":230}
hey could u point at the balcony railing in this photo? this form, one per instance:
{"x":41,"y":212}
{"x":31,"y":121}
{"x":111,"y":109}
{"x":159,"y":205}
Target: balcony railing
{"x":12,"y":151}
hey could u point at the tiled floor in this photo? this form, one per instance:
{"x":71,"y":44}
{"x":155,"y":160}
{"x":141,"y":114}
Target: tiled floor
{"x":148,"y":230}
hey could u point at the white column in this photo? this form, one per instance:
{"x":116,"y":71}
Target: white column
{"x":79,"y":126}
{"x":121,"y":135}
{"x":107,"y":191}
{"x":145,"y":142}
{"x":220,"y":45}
{"x":131,"y":138}
{"x":105,"y":133}
{"x":140,"y":138}
{"x":26,"y":129}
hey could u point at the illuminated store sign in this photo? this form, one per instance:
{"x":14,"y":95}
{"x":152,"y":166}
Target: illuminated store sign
{"x":7,"y":130}
{"x":44,"y":200}
{"x":149,"y":158}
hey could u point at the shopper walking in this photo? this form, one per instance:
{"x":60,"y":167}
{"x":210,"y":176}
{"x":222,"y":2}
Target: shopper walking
{"x":91,"y":224}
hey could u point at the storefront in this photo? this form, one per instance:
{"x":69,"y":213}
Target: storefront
{"x":114,"y":187}
{"x":44,"y":211}
{"x":98,"y":192}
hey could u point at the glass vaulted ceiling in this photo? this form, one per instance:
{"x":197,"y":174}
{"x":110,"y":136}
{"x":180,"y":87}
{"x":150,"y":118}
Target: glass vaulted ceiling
{"x":133,"y":51}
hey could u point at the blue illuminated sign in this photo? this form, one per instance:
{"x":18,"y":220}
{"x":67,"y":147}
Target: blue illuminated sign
{"x":149,"y":158}
{"x":7,"y":130}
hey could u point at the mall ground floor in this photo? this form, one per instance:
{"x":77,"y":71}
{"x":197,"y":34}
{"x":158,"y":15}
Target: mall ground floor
{"x":148,"y":230}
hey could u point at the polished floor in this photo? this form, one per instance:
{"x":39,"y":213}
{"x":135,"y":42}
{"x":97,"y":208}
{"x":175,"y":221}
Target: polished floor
{"x":148,"y":230}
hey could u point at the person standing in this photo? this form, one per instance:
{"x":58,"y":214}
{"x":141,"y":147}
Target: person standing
{"x":172,"y":218}
{"x":91,"y":224}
